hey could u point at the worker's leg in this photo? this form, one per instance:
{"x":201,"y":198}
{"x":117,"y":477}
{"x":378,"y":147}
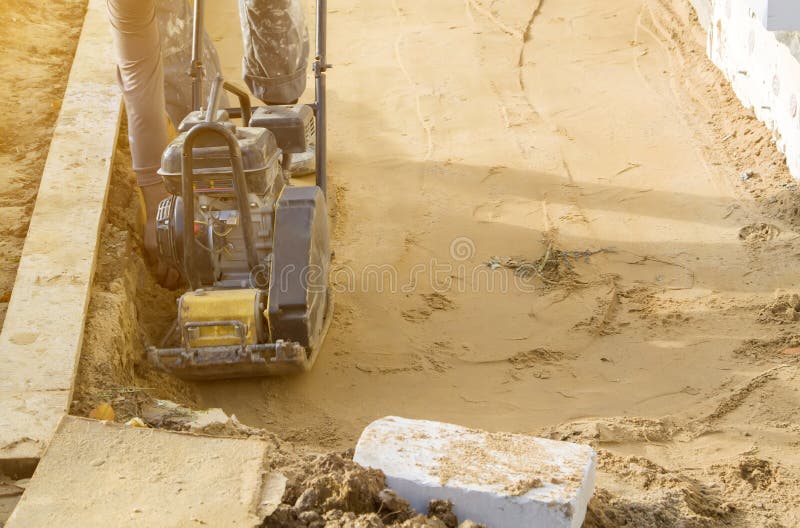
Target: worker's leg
{"x":275,"y":49}
{"x":141,"y":78}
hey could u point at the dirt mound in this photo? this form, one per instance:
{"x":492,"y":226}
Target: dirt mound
{"x":758,"y":233}
{"x":616,"y":430}
{"x":769,"y":349}
{"x":658,"y":510}
{"x":784,"y":309}
{"x":332,"y":491}
{"x":757,"y":472}
{"x":331,"y":482}
{"x":634,"y":490}
{"x":669,"y":501}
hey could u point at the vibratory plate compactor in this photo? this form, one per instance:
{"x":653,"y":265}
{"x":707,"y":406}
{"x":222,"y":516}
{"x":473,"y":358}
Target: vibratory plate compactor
{"x":253,"y":248}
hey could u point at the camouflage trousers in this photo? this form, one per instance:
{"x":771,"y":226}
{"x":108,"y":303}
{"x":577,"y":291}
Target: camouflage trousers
{"x":275,"y":42}
{"x":275,"y":49}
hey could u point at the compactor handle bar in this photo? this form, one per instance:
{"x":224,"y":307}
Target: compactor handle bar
{"x":197,"y":70}
{"x":187,"y":191}
{"x":320,"y":105}
{"x":320,"y":66}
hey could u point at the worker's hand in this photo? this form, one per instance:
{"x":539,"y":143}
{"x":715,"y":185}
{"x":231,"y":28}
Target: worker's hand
{"x":166,"y":275}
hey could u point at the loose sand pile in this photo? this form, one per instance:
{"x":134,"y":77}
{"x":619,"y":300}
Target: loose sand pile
{"x":615,"y":234}
{"x":332,"y":491}
{"x":128,"y":310}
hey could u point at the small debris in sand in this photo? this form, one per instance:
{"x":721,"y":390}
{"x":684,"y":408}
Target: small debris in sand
{"x":554,"y":267}
{"x":169,"y":415}
{"x":758,"y":233}
{"x":136,"y":422}
{"x":103,"y":411}
{"x":524,"y":486}
{"x":785,"y":308}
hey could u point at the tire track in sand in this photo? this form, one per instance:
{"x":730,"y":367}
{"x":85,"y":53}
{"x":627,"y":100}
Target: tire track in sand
{"x":424,"y":123}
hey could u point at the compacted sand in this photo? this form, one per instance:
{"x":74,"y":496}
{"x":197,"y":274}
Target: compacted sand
{"x":550,"y":217}
{"x":37,"y":40}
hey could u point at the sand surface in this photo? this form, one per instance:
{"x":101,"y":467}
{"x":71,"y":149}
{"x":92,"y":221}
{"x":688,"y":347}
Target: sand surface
{"x":640,"y":292}
{"x":466,"y":133}
{"x":38,"y":41}
{"x":467,"y":130}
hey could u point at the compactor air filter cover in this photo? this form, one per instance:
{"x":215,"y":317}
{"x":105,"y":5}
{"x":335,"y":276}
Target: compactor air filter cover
{"x":291,"y":124}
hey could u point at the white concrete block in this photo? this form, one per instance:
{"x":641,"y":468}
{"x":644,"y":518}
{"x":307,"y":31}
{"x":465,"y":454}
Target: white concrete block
{"x":500,"y":479}
{"x":762,"y":68}
{"x":776,"y":15}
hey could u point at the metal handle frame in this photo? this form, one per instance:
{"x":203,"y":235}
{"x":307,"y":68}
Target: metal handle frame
{"x":320,"y":105}
{"x":320,"y":66}
{"x":197,"y":70}
{"x":187,"y":191}
{"x":245,"y":110}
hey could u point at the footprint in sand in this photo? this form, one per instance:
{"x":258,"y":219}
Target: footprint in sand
{"x":416,"y":315}
{"x":438,"y":301}
{"x":758,"y":233}
{"x":433,"y":302}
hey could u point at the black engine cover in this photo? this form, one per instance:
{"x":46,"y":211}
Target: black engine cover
{"x":298,"y":291}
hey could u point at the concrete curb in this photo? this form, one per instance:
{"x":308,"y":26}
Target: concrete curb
{"x":98,"y":474}
{"x":43,"y":332}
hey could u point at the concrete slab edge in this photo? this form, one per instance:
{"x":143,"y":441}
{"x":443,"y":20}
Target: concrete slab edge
{"x":43,"y":332}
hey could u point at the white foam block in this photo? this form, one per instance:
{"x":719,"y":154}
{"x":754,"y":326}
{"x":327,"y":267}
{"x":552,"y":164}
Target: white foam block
{"x":502,"y":480}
